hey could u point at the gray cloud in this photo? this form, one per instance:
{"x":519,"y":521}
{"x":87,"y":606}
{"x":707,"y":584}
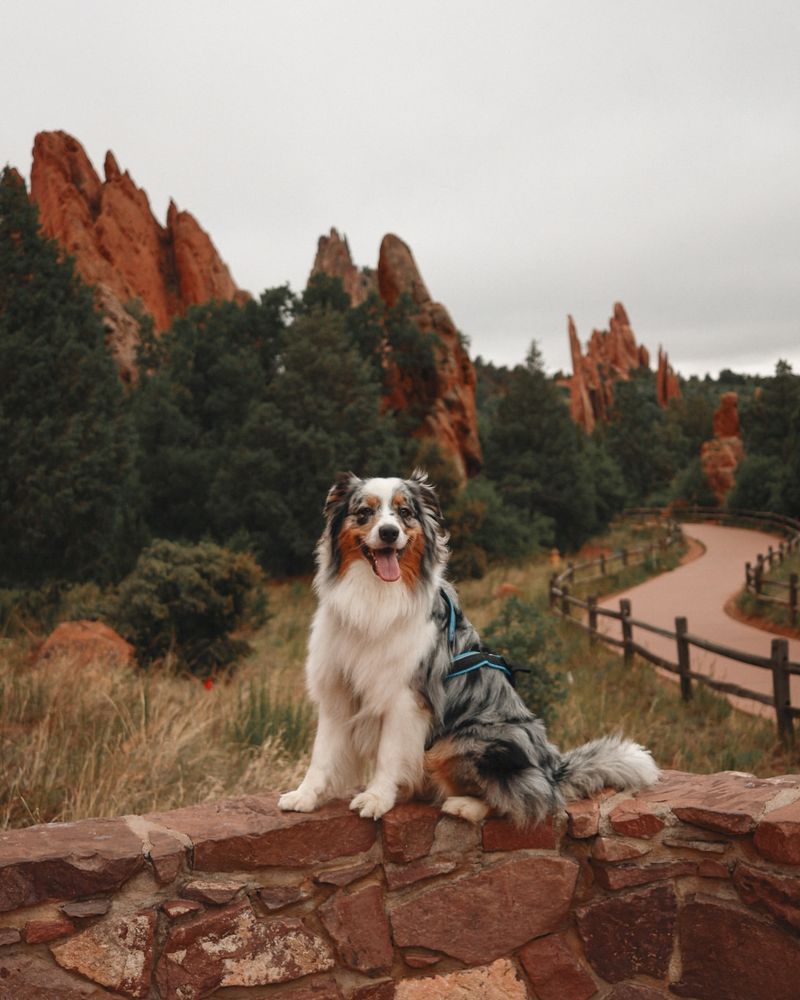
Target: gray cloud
{"x":540,"y":159}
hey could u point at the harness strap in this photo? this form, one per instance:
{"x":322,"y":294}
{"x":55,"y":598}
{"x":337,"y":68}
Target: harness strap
{"x":475,"y":659}
{"x":472,"y":659}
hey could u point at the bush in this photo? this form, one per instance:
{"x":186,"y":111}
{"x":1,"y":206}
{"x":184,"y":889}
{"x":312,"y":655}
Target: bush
{"x":184,"y":601}
{"x":528,"y":638}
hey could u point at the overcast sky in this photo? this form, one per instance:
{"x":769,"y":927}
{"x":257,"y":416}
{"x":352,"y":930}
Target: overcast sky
{"x":540,"y":158}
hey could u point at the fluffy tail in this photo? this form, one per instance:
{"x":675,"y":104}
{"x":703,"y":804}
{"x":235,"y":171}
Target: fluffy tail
{"x":610,"y":761}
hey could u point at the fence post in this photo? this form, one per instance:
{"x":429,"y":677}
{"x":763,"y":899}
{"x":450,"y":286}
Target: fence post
{"x":681,"y":628}
{"x":624,"y":554}
{"x":793,"y":598}
{"x":603,"y":563}
{"x":571,"y":571}
{"x":565,"y":601}
{"x":759,"y":573}
{"x":592,"y":602}
{"x":748,"y":575}
{"x":627,"y":630}
{"x":551,"y":594}
{"x":770,"y":555}
{"x":780,"y":687}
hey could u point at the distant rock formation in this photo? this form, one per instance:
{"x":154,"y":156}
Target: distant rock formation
{"x":667,"y":385}
{"x":452,"y":418}
{"x":118,"y":245}
{"x":721,"y":456}
{"x":333,"y":258}
{"x":611,"y":355}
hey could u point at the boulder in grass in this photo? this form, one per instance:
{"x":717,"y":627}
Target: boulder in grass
{"x":87,"y":642}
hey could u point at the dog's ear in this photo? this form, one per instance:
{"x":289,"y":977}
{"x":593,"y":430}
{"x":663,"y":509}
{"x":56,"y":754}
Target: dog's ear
{"x":342,"y":488}
{"x":425,"y":493}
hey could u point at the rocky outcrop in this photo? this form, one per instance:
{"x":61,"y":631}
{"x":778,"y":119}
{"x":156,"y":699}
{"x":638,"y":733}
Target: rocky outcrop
{"x":333,"y":258}
{"x":722,"y":455}
{"x":611,"y":355}
{"x":598,"y":901}
{"x":86,"y":642}
{"x":118,"y":245}
{"x":451,"y":421}
{"x":667,"y":385}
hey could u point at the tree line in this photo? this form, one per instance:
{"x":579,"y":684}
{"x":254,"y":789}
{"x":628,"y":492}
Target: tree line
{"x":241,"y":415}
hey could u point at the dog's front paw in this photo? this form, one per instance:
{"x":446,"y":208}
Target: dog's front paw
{"x":301,"y":800}
{"x":372,"y":805}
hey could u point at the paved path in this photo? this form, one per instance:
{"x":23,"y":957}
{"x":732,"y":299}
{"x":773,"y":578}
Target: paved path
{"x":698,"y":591}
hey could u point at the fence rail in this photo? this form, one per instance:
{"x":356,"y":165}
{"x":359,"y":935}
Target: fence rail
{"x":778,"y":663}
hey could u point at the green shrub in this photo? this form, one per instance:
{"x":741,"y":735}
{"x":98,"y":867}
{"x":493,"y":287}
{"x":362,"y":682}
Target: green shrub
{"x":529,"y":638}
{"x":184,"y":601}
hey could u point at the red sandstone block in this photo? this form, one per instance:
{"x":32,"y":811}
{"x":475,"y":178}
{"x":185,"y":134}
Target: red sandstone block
{"x":713,"y":869}
{"x":770,"y":892}
{"x":634,"y":818}
{"x":778,"y":835}
{"x":630,"y":934}
{"x":408,"y":831}
{"x":38,"y":931}
{"x":583,"y":818}
{"x":725,"y":803}
{"x":750,"y":957}
{"x":626,"y":876}
{"x":230,"y":946}
{"x":481,"y":917}
{"x":251,"y":832}
{"x":611,"y":849}
{"x":398,"y":876}
{"x":554,"y":970}
{"x":503,"y":835}
{"x":358,"y":925}
{"x":66,"y":861}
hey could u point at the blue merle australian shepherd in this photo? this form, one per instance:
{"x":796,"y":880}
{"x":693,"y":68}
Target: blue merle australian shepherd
{"x":409,"y":700}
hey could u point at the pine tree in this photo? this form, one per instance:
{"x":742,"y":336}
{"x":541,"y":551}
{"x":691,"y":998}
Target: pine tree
{"x":67,"y":490}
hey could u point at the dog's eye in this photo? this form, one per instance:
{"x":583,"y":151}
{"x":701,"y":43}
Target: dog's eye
{"x":364,"y":514}
{"x":406,"y":513}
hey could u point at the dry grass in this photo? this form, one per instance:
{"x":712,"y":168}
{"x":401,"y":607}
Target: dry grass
{"x":78,"y":741}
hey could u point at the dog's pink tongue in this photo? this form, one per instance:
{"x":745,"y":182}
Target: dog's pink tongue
{"x":387,"y":565}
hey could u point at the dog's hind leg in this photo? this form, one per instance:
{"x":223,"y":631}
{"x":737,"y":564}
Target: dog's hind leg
{"x":466,"y":807}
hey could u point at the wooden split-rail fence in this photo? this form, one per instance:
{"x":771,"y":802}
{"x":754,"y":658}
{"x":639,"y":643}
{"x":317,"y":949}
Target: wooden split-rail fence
{"x":586,"y":614}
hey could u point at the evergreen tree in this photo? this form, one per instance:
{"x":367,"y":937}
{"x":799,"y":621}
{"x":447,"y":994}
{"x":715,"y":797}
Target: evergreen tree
{"x":198,"y":384}
{"x":67,"y":489}
{"x":323,"y":415}
{"x":537,"y":459}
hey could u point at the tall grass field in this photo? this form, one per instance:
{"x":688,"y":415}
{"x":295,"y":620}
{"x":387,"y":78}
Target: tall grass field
{"x":80,"y":740}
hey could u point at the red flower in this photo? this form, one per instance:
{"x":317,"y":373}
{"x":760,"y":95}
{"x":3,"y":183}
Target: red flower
{"x":208,"y":684}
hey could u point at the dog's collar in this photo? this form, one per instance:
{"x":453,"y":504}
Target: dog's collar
{"x":471,"y":659}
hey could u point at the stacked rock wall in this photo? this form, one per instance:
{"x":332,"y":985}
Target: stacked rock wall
{"x":692,"y":889}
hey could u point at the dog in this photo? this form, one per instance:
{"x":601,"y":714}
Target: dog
{"x":409,"y":701}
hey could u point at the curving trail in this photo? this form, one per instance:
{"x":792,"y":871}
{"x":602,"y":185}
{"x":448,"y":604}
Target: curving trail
{"x":699,"y":591}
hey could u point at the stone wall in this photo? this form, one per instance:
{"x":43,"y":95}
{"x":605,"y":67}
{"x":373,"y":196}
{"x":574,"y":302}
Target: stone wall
{"x":692,"y":889}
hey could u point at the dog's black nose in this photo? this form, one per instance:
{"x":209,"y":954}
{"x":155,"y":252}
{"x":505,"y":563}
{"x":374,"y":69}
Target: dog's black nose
{"x":388,"y":532}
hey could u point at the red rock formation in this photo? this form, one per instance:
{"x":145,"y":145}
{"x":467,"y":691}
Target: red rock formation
{"x":611,"y":355}
{"x":87,"y":642}
{"x":333,"y":258}
{"x":452,"y":418}
{"x":117,"y":243}
{"x":722,"y":455}
{"x":667,"y":384}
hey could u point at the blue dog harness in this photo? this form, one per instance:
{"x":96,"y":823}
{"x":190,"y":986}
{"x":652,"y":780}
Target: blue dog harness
{"x":471,"y":659}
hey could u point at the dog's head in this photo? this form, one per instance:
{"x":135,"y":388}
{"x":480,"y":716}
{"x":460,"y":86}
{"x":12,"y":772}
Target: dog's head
{"x":393,"y":527}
